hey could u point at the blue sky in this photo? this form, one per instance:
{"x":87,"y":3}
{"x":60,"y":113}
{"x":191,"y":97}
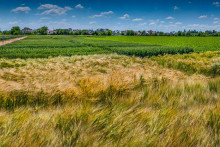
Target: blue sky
{"x":159,"y":15}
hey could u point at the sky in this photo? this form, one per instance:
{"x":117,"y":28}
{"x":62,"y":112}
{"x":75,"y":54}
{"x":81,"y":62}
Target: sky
{"x":157,"y":15}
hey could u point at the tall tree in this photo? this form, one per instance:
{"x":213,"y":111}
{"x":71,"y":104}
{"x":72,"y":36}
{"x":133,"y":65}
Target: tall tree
{"x":109,"y":33}
{"x":43,"y":30}
{"x":15,"y":30}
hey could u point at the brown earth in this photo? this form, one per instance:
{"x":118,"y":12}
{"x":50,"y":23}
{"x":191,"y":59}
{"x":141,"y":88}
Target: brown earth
{"x":11,"y":41}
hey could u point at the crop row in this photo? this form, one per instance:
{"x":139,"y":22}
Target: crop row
{"x":149,"y":51}
{"x":134,"y":49}
{"x":24,"y":53}
{"x":199,"y":44}
{"x":46,"y":46}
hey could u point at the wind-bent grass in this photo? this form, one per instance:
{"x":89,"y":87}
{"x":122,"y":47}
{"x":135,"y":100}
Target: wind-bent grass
{"x":106,"y":100}
{"x":207,"y":63}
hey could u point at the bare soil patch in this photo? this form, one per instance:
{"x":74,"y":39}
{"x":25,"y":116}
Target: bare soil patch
{"x":11,"y":41}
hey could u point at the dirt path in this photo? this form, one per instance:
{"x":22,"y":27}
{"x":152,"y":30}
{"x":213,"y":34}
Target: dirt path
{"x":10,"y":41}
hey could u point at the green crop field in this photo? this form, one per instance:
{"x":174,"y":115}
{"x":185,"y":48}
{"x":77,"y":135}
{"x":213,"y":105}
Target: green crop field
{"x":52,"y":46}
{"x":110,"y":91}
{"x":199,"y":44}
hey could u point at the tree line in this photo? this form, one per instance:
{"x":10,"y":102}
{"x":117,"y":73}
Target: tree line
{"x":105,"y":32}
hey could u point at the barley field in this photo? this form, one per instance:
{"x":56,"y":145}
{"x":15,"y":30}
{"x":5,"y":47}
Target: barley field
{"x":72,"y":91}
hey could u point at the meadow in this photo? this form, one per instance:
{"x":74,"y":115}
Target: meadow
{"x":72,"y":91}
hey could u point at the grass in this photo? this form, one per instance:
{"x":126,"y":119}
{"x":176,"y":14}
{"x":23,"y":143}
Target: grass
{"x":47,"y":46}
{"x":50,"y":98}
{"x":53,"y":46}
{"x":199,"y":44}
{"x":148,"y":51}
{"x":207,"y":63}
{"x":107,"y":100}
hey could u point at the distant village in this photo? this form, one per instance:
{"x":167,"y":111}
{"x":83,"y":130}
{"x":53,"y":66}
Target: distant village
{"x":101,"y":32}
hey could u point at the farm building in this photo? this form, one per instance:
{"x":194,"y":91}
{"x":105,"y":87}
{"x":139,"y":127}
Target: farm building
{"x":27,"y":31}
{"x":51,"y":32}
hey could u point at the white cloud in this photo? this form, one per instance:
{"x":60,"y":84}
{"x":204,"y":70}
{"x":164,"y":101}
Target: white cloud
{"x":13,"y":23}
{"x":203,"y":16}
{"x":143,"y":24}
{"x":93,"y":22}
{"x":137,"y":19}
{"x":170,"y":17}
{"x":217,"y":4}
{"x":94,"y":16}
{"x":58,"y":24}
{"x":102,"y":14}
{"x":126,"y":16}
{"x":216,"y":18}
{"x":73,"y":16}
{"x":162,"y":21}
{"x":203,"y":27}
{"x":152,"y":23}
{"x":79,"y":6}
{"x":216,"y":22}
{"x":53,"y":9}
{"x":107,"y":13}
{"x":43,"y":18}
{"x":21,"y":9}
{"x":178,"y":23}
{"x":175,"y":8}
{"x":193,"y":25}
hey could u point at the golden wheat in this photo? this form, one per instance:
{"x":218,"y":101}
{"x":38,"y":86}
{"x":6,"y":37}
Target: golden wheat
{"x":105,"y":100}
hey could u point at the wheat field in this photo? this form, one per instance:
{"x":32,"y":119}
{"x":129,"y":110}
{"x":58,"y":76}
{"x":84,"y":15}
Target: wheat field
{"x":106,"y":100}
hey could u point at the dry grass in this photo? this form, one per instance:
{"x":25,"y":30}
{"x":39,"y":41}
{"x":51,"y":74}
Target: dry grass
{"x":63,"y":73}
{"x":106,"y":100}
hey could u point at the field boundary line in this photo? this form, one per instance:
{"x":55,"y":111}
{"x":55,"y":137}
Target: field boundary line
{"x":11,"y":40}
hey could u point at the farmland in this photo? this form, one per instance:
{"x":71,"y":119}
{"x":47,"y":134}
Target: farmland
{"x":53,"y":46}
{"x":110,"y":91}
{"x":199,"y":44}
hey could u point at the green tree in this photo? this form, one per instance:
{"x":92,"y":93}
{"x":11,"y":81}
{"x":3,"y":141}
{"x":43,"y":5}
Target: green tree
{"x":70,"y":33}
{"x":43,"y":30}
{"x":109,"y":33}
{"x":15,"y":30}
{"x":161,"y":33}
{"x":179,"y":33}
{"x":143,"y":33}
{"x":183,"y":34}
{"x":95,"y":33}
{"x":85,"y":32}
{"x":130,"y":33}
{"x":188,"y":33}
